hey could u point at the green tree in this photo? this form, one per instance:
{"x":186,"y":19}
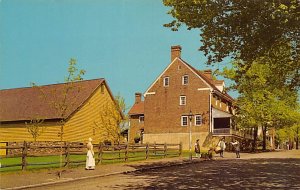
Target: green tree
{"x":244,"y":30}
{"x":111,"y":120}
{"x":264,"y":101}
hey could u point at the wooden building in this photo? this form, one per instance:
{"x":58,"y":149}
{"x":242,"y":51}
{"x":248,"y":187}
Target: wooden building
{"x":77,"y":104}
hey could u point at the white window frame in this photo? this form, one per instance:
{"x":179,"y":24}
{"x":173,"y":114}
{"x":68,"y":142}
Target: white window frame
{"x":196,"y":120}
{"x":141,"y":120}
{"x":183,"y":79}
{"x":184,"y":117}
{"x":166,"y":84}
{"x":182,"y":102}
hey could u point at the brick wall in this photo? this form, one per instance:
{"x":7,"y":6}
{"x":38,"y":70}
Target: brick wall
{"x":135,"y":127}
{"x":162,"y":110}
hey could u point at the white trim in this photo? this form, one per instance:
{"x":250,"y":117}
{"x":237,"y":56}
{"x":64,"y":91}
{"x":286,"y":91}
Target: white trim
{"x":196,"y":74}
{"x":161,"y":75}
{"x":196,"y":119}
{"x":187,"y":120}
{"x":182,"y":103}
{"x":220,"y":114}
{"x":167,"y":78}
{"x":149,"y":93}
{"x":182,"y":79}
{"x":203,"y":89}
{"x":170,"y":66}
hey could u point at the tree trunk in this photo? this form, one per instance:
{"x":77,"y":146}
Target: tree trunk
{"x":264,"y":128}
{"x":254,"y":143}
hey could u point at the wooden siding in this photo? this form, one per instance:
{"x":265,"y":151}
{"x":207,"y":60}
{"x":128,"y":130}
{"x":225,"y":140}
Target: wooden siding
{"x":81,"y":125}
{"x":19,"y":132}
{"x":78,"y":128}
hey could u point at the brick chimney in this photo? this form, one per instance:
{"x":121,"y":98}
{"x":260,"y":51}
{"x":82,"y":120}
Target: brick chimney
{"x":208,"y":73}
{"x":138,"y":97}
{"x":175,"y":52}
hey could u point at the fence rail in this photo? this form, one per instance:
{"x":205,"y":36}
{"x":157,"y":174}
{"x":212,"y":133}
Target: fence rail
{"x":229,"y":131}
{"x":74,"y":154}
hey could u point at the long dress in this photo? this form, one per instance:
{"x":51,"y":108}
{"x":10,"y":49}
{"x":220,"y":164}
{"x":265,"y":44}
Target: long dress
{"x":90,"y":161}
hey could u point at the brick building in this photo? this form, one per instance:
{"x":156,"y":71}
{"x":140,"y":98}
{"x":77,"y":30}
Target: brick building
{"x":181,"y":99}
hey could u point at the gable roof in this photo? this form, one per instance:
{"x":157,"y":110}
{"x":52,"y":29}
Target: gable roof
{"x":39,"y":102}
{"x":137,"y":109}
{"x":209,"y":82}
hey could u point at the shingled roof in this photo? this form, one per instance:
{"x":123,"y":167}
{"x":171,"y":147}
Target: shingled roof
{"x":21,"y":104}
{"x":137,"y":109}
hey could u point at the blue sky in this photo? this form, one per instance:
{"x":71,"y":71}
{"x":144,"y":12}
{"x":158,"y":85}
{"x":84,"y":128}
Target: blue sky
{"x":123,"y":41}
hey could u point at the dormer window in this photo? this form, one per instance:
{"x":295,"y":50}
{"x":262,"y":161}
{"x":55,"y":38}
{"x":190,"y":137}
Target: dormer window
{"x":166,"y":81}
{"x":185,"y":80}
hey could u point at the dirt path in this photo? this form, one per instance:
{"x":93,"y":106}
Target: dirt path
{"x":272,"y":170}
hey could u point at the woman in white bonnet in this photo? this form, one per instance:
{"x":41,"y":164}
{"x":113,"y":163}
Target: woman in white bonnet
{"x":90,"y":161}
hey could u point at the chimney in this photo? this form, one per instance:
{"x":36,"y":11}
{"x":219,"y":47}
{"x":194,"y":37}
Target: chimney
{"x":175,"y":52}
{"x":208,"y":73}
{"x":138,"y":97}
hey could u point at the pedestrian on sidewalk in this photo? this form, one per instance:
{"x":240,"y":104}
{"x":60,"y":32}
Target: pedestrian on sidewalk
{"x":236,"y":145}
{"x":222,"y":146}
{"x":197,"y":148}
{"x":90,"y":161}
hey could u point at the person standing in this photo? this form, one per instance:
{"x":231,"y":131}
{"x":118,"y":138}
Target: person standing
{"x":236,"y":145}
{"x":90,"y":161}
{"x":222,"y":146}
{"x":197,"y":148}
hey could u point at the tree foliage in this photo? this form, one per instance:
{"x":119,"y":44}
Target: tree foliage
{"x":111,"y":120}
{"x":244,"y":30}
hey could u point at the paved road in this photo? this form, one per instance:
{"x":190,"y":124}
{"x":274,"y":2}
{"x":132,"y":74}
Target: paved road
{"x":254,"y":171}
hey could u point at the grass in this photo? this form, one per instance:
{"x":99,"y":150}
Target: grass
{"x":111,"y":158}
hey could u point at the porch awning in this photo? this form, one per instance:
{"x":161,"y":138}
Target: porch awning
{"x":220,"y":114}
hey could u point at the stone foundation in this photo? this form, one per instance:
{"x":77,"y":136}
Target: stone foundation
{"x":32,"y":147}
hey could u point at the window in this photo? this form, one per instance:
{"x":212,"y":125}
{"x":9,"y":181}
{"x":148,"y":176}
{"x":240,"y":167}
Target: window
{"x":185,"y":80}
{"x":141,"y":119}
{"x":184,"y":120}
{"x":166,"y":81}
{"x":198,"y":120}
{"x":182,"y":100}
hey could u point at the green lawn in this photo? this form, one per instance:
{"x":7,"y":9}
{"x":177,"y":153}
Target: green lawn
{"x":110,"y":158}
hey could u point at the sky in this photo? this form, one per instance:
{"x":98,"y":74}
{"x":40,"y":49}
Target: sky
{"x":123,"y":41}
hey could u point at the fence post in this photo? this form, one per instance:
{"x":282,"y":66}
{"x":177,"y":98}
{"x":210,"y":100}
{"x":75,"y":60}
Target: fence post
{"x":165,"y":150}
{"x":67,"y":154}
{"x":155,"y":148}
{"x":180,"y":149}
{"x":24,"y":155}
{"x":126,"y":152}
{"x":100,"y":152}
{"x":147,"y":150}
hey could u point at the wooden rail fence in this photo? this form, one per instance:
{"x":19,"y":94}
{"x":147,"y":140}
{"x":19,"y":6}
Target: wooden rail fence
{"x":103,"y":153}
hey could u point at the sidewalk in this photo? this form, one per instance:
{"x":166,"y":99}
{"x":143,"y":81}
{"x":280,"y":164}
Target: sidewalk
{"x":21,"y":180}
